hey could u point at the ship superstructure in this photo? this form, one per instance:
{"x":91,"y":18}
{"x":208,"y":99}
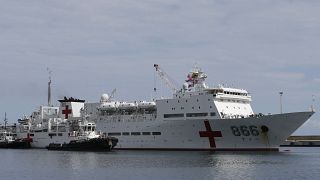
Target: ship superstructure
{"x":197,"y":117}
{"x":57,"y":124}
{"x":60,"y":125}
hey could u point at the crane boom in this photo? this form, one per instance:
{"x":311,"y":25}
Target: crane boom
{"x":165,"y":77}
{"x":113,"y":93}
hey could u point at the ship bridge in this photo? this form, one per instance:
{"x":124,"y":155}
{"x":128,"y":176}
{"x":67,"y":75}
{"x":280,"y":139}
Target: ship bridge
{"x":197,"y":100}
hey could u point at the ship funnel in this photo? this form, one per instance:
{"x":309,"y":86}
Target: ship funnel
{"x":70,"y":108}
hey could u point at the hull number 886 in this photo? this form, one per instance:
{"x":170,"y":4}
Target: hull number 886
{"x":245,"y":130}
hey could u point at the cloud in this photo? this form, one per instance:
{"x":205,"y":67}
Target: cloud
{"x":95,"y":46}
{"x":286,"y":76}
{"x":317,"y":80}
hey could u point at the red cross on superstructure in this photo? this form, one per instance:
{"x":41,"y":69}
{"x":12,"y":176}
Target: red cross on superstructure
{"x":66,"y":112}
{"x":210,"y":134}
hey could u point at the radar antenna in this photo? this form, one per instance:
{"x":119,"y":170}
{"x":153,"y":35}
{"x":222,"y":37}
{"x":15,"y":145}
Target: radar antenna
{"x":312,"y":105}
{"x":166,"y":78}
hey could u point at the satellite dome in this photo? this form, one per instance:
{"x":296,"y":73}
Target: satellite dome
{"x":104,"y":98}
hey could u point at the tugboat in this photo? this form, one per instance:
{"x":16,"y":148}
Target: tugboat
{"x":8,"y":139}
{"x":94,"y":144}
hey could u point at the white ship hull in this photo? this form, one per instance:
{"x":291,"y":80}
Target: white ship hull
{"x":236,"y":134}
{"x":197,"y":117}
{"x":42,"y":139}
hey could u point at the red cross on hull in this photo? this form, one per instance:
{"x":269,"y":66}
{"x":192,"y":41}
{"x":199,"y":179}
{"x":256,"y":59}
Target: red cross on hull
{"x":210,"y":134}
{"x":66,"y":112}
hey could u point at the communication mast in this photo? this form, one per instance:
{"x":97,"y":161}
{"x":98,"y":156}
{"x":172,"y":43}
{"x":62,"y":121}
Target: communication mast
{"x":5,"y":120}
{"x":49,"y":87}
{"x":166,"y":78}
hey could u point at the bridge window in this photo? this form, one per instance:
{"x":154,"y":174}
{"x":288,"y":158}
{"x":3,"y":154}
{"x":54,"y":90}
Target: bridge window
{"x":173,"y":115}
{"x":146,"y":133}
{"x":135,"y":133}
{"x":156,"y":133}
{"x":197,"y":114}
{"x":125,"y":134}
{"x":213,"y":114}
{"x":114,"y":134}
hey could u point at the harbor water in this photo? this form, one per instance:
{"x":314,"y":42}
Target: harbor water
{"x":290,"y":163}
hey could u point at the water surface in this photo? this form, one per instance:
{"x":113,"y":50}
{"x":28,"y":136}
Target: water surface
{"x":298,"y":163}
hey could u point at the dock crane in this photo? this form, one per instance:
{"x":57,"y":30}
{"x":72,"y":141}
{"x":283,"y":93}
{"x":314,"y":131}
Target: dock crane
{"x":166,"y":78}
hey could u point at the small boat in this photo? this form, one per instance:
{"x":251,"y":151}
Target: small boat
{"x":9,"y":140}
{"x":93,"y":144}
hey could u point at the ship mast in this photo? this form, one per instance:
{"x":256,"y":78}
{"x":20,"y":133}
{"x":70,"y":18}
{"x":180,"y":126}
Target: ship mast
{"x":49,"y":87}
{"x":5,"y":120}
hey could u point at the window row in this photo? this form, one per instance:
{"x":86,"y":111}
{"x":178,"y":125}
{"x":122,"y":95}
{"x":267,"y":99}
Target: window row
{"x":185,"y":100}
{"x":134,"y":133}
{"x":235,"y":93}
{"x":181,"y":115}
{"x":54,"y":134}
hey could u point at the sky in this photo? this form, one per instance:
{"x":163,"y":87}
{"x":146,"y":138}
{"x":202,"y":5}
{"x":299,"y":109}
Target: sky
{"x":92,"y":47}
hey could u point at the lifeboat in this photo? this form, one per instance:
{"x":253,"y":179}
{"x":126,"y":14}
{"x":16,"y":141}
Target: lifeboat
{"x":147,"y":105}
{"x":127,"y":106}
{"x":23,"y":121}
{"x":109,"y":106}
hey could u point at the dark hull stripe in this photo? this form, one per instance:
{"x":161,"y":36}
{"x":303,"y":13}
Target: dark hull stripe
{"x":196,"y":149}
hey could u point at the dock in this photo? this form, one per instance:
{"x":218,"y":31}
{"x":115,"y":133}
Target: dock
{"x":302,"y":141}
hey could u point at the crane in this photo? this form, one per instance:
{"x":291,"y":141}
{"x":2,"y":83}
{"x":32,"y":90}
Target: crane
{"x":112,"y":94}
{"x":165,"y":77}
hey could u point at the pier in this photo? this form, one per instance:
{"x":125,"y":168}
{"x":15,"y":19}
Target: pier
{"x":302,"y":141}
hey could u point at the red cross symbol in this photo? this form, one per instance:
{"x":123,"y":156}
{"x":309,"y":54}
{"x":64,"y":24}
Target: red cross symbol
{"x":210,"y":134}
{"x":66,"y":112}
